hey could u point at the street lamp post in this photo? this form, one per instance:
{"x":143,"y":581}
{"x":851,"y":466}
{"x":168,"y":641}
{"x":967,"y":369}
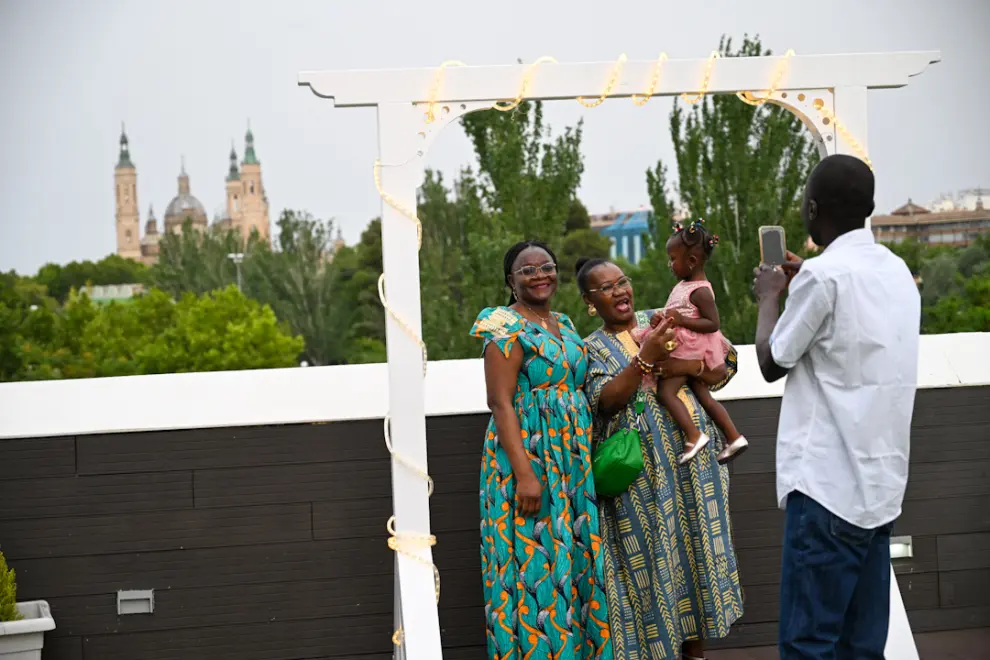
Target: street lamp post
{"x":238,"y":259}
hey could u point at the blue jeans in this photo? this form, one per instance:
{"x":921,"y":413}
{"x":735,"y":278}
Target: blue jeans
{"x":834,"y":586}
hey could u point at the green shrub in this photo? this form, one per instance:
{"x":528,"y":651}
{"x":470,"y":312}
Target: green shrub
{"x":8,"y":593}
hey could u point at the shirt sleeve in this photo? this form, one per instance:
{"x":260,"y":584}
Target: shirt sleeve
{"x":808,"y":305}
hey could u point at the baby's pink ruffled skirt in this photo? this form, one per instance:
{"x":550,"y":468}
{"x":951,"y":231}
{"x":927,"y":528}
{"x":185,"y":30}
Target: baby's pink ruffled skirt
{"x":710,"y":348}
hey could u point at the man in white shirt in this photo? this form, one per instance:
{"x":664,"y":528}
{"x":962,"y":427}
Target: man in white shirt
{"x":848,"y":343}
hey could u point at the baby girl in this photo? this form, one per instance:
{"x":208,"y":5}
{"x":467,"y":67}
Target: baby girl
{"x":692,"y":313}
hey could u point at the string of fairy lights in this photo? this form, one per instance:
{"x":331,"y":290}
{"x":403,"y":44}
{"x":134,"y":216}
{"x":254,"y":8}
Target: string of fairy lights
{"x":407,"y":543}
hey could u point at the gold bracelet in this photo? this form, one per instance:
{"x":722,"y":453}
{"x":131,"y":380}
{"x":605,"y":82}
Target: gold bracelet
{"x":643,"y":365}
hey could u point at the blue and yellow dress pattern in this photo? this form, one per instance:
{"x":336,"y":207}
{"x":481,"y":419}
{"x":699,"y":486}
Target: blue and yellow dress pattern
{"x":670,"y":565}
{"x":543,"y":576}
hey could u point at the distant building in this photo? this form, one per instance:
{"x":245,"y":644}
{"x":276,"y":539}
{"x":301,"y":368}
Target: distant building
{"x":952,"y":221}
{"x":246,"y":208}
{"x":627,"y":231}
{"x":108,"y":293}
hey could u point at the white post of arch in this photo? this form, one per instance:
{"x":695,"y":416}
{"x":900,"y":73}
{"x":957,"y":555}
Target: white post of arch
{"x":836,"y":82}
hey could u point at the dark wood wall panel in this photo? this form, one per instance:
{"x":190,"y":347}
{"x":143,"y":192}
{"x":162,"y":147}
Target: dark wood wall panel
{"x":33,"y":458}
{"x":268,"y":543}
{"x":205,"y":567}
{"x":275,"y":640}
{"x":964,"y":588}
{"x":966,"y":478}
{"x":215,"y":448}
{"x":270,"y":601}
{"x":191,"y":528}
{"x":924,"y":559}
{"x":274,"y":484}
{"x":62,"y":648}
{"x":54,"y":497}
{"x":958,"y":552}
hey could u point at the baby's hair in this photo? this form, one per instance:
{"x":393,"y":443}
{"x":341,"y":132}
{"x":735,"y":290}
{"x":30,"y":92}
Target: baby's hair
{"x":696,"y":235}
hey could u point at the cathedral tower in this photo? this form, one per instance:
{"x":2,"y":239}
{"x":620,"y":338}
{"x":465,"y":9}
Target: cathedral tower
{"x":128,"y":221}
{"x":254,"y":202}
{"x":235,"y":194}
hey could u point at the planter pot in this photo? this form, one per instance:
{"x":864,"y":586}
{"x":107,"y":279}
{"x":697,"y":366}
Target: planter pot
{"x":22,"y":640}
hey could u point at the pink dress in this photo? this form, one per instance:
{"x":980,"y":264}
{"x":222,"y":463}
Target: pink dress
{"x":711,"y":348}
{"x":695,"y":345}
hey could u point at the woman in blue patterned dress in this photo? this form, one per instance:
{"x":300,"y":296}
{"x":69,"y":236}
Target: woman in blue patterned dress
{"x":670,"y":566}
{"x":541,"y":551}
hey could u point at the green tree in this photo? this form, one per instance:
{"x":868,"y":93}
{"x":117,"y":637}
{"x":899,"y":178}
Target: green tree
{"x":523,"y":187}
{"x":298,"y":279}
{"x":967,"y":310}
{"x":738,"y":167}
{"x":113,"y":269}
{"x":577,"y":217}
{"x":580,"y":243}
{"x":197,"y":262}
{"x":358,"y":270}
{"x":222,"y":330}
{"x":25,"y":311}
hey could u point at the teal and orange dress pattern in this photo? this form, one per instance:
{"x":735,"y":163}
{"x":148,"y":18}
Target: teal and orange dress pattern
{"x":670,"y":566}
{"x":543,"y":576}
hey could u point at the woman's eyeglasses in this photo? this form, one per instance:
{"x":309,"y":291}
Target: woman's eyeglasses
{"x":548,"y":268}
{"x":610,"y":288}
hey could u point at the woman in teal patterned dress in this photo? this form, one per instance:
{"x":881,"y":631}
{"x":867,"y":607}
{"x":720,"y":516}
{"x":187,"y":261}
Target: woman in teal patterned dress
{"x":541,"y":554}
{"x":670,"y":566}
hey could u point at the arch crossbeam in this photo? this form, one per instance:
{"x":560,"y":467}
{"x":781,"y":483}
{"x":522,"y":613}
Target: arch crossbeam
{"x":567,"y":81}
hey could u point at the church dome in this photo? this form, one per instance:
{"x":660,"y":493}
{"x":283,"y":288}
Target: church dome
{"x":183,"y":206}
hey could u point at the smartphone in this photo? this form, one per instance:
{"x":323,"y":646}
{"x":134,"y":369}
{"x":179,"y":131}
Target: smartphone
{"x":772,"y":249}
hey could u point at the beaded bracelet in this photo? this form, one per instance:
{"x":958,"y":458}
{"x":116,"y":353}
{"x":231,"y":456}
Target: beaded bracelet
{"x":643,"y":365}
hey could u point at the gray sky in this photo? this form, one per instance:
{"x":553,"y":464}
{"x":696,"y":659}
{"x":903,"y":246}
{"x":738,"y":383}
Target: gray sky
{"x":186,"y":75}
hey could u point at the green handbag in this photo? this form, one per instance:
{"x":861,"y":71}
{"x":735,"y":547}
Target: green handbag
{"x":617,"y":462}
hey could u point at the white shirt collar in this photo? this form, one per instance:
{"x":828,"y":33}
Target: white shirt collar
{"x":851,"y":238}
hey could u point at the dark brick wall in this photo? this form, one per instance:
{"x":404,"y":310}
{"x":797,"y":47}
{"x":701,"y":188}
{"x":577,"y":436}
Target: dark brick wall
{"x":268,"y":543}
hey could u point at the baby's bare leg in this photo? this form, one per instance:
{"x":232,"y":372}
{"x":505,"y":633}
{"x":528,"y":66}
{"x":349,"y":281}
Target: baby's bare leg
{"x":715,"y":410}
{"x":713,"y":377}
{"x":669,"y":387}
{"x":673,"y":367}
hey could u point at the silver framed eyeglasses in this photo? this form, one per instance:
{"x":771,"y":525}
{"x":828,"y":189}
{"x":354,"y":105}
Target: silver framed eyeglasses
{"x":548,"y":268}
{"x":610,"y":288}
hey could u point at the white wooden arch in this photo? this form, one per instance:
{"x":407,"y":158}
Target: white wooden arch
{"x":828,"y":93}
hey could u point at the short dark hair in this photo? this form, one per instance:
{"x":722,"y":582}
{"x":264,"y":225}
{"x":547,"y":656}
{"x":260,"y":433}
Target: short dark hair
{"x":842,"y":187}
{"x":582,"y":270}
{"x":513,"y":253}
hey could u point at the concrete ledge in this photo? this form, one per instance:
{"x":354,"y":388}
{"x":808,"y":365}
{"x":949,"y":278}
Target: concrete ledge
{"x":351,"y":392}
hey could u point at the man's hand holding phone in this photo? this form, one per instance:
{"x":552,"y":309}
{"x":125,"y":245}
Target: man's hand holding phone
{"x":791,"y":266}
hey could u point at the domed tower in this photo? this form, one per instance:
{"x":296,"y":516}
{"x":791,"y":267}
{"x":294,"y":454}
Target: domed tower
{"x":184,"y":206}
{"x":254,"y":203}
{"x":128,"y":220}
{"x":149,"y":244}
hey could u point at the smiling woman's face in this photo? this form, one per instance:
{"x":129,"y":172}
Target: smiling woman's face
{"x":610,"y":291}
{"x":534,"y":277}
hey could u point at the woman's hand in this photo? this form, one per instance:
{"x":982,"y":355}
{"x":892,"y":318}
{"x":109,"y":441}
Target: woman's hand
{"x":529,"y":495}
{"x":654,"y":348}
